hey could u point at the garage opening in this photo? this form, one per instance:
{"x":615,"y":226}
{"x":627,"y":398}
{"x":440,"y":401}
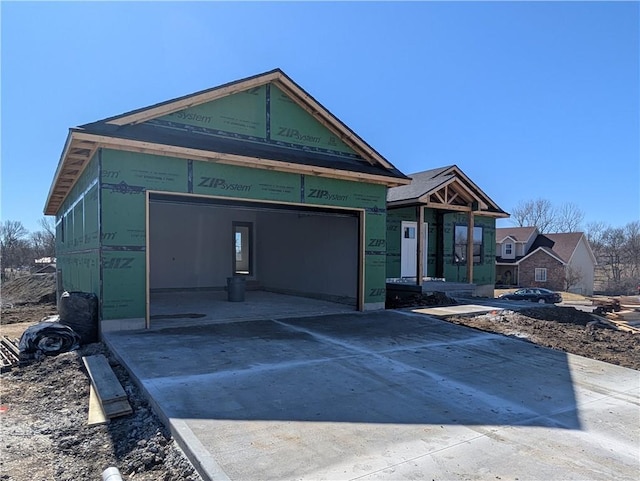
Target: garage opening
{"x":302,"y":252}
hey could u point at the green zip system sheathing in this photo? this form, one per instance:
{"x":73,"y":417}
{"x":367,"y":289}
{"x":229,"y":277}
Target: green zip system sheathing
{"x":78,"y":235}
{"x":104,"y":220}
{"x":483,"y":272}
{"x":126,"y":176}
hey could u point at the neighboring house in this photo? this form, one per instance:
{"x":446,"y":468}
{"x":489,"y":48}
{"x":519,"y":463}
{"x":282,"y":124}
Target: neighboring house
{"x":440,"y":207}
{"x":562,"y":261}
{"x":253,"y":178}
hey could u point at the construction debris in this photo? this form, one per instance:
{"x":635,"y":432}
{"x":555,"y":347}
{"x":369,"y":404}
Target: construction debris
{"x":9,"y":354}
{"x":618,"y":321}
{"x":605,"y":304}
{"x":47,"y":338}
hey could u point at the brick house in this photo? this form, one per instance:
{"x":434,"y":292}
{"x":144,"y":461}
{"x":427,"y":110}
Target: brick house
{"x":562,"y":261}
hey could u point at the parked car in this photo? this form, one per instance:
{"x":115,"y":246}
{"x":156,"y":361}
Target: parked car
{"x":533,"y":294}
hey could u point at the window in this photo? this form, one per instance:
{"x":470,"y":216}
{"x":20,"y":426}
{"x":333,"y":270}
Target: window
{"x":409,"y":232}
{"x":460,"y":245}
{"x":508,"y":249}
{"x":541,"y":274}
{"x":243,"y":249}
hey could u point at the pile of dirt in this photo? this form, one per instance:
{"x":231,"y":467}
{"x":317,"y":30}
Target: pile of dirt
{"x":45,"y":433}
{"x":32,"y":289}
{"x":563,"y":328}
{"x":28,"y":299}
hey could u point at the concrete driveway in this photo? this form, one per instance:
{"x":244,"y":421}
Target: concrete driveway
{"x":385,"y":395}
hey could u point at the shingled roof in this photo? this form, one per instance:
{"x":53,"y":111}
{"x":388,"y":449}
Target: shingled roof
{"x":564,"y":244}
{"x":446,"y":188}
{"x":519,"y":234}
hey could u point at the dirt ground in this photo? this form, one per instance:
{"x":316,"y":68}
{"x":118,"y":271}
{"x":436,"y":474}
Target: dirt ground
{"x":43,"y":416}
{"x":563,"y":328}
{"x":44,"y":405}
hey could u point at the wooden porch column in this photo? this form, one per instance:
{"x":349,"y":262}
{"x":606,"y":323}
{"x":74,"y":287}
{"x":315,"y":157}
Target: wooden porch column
{"x":420,"y":246}
{"x":470,"y":247}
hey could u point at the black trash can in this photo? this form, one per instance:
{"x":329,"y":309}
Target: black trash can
{"x":235,"y":288}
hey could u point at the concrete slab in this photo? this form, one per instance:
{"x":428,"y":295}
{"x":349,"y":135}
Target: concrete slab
{"x":183,"y":308}
{"x":385,"y":395}
{"x":459,"y":310}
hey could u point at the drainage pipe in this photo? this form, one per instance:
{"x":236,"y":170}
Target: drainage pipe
{"x":111,"y":474}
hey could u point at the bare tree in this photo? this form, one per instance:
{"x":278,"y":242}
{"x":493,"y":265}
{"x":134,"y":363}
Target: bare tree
{"x":568,"y":218}
{"x":13,"y":244}
{"x":43,"y":242}
{"x":539,"y":213}
{"x":613,"y":253}
{"x":594,"y":232}
{"x":632,"y":250}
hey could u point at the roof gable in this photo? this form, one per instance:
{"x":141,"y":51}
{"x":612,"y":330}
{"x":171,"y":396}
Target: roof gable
{"x":263,"y":114}
{"x":519,"y":234}
{"x":546,"y":250}
{"x":266,"y":121}
{"x":445,"y":188}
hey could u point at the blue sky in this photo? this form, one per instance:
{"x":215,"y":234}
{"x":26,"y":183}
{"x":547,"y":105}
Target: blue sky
{"x":530,"y":100}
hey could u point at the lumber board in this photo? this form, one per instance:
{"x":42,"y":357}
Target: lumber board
{"x":104,"y":380}
{"x":96,"y":413}
{"x":117,"y":408}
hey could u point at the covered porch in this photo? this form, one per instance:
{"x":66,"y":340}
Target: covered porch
{"x":441,"y":230}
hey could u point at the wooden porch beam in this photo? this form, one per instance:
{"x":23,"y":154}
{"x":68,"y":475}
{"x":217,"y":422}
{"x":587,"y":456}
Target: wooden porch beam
{"x":420,"y":246}
{"x":470,"y":220}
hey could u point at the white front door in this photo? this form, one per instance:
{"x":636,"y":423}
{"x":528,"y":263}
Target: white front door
{"x":409,"y":249}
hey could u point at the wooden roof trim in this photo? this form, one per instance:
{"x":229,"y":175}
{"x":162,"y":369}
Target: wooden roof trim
{"x":425,"y":198}
{"x":475,"y":187}
{"x":69,"y":170}
{"x":234,"y":159}
{"x":192,"y":100}
{"x":304,"y":100}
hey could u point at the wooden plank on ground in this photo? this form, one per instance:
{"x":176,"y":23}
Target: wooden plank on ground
{"x":104,"y":380}
{"x":96,"y":413}
{"x":108,"y":390}
{"x":117,"y":408}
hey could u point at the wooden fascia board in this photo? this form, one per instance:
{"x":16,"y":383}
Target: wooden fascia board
{"x":192,"y":100}
{"x":234,"y":159}
{"x":481,"y":193}
{"x":327,"y":119}
{"x":486,"y":213}
{"x":402,"y":203}
{"x":304,"y":100}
